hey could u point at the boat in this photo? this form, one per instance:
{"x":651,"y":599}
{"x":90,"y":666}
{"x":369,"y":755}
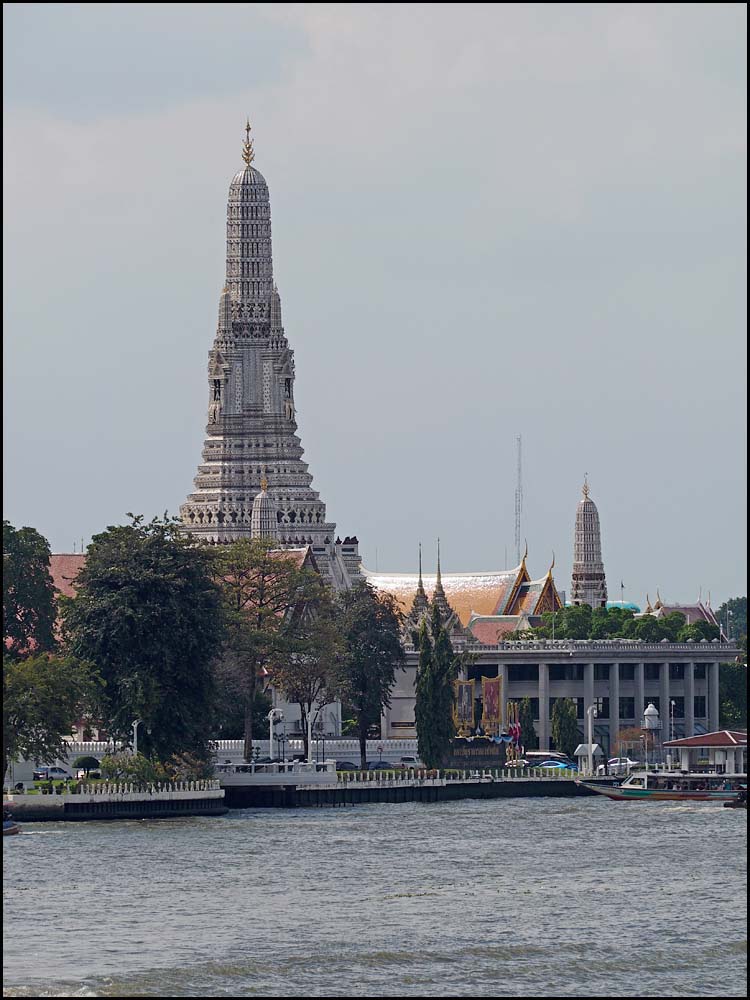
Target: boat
{"x":673,"y":786}
{"x":10,"y":827}
{"x":739,"y":803}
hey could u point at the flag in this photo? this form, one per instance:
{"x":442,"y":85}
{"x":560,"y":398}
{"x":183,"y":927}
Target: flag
{"x":622,"y":585}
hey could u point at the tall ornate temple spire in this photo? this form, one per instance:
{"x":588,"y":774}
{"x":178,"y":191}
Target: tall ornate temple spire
{"x":588,"y":583}
{"x":438,"y":595}
{"x":252,"y":425}
{"x":420,"y":605}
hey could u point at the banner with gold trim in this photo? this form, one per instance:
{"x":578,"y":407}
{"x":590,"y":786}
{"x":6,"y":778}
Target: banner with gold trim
{"x":463,"y":709}
{"x":491,"y":694}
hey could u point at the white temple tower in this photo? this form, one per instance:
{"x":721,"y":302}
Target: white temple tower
{"x":588,"y":584}
{"x":252,"y":421}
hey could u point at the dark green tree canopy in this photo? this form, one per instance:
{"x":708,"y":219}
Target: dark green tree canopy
{"x":372,"y":651}
{"x":564,"y":726}
{"x":437,"y":669}
{"x":148,"y":616}
{"x":29,"y":609}
{"x":43,"y":697}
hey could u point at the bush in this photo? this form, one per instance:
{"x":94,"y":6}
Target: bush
{"x":86,"y":763}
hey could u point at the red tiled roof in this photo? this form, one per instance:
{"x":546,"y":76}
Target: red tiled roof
{"x":491,"y":629}
{"x":721,"y":738}
{"x":64,"y":568}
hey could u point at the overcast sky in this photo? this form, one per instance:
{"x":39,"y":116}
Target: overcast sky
{"x":488,"y":220}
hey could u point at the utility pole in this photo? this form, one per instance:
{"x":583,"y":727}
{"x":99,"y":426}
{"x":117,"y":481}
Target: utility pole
{"x":519,"y":501}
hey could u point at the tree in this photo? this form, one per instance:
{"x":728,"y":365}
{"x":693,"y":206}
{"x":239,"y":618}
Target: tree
{"x":526,"y":719}
{"x":306,"y":674}
{"x":737,"y":608}
{"x":698,"y":630}
{"x":630,"y":740}
{"x":733,"y":696}
{"x":148,"y":615}
{"x":43,"y":696}
{"x":372,"y":652}
{"x":577,"y":622}
{"x":29,"y":610}
{"x":564,"y":725}
{"x":265,"y":594}
{"x":437,"y":669}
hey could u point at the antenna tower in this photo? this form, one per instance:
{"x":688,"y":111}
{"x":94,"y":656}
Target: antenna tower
{"x":519,"y":501}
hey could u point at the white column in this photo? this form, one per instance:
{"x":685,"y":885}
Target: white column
{"x":713,"y":697}
{"x":614,"y":706}
{"x":502,"y":673}
{"x":543,"y":694}
{"x":689,"y":699}
{"x":665,"y":709}
{"x":639,"y":689}
{"x":588,"y":696}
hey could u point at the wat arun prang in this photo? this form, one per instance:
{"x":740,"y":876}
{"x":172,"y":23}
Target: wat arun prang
{"x":251,"y":432}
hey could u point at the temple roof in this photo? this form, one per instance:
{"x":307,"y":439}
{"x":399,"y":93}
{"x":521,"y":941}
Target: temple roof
{"x":720,"y":738}
{"x":491,"y":629}
{"x":467,"y":593}
{"x":64,"y":568}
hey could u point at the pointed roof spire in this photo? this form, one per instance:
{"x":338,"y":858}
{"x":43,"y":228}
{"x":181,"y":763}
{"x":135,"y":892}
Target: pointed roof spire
{"x":420,"y":585}
{"x":658,"y":601}
{"x":586,"y":489}
{"x":552,"y":564}
{"x":525,"y":552}
{"x":649,"y":609}
{"x":263,"y":480}
{"x":248,"y":153}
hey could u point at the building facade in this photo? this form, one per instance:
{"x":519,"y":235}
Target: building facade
{"x":251,"y":432}
{"x":619,"y":677}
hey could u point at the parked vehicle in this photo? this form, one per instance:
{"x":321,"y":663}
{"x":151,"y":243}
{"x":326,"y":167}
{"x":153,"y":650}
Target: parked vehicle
{"x":535,"y":757}
{"x":346,"y":765}
{"x":617,"y":766}
{"x":559,"y":764}
{"x":381,"y":765}
{"x":410,"y":761}
{"x":51,"y":774}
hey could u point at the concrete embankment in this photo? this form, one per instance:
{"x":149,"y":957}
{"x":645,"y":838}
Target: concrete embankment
{"x":116,"y":801}
{"x":435,"y":790}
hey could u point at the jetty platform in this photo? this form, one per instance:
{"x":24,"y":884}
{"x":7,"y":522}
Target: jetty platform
{"x":114,"y":800}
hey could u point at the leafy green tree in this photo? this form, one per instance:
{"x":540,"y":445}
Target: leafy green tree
{"x":266,"y":595}
{"x":564,"y":726}
{"x":526,"y":719}
{"x":306,"y":675}
{"x":148,"y":615}
{"x":697,"y":631}
{"x":737,"y":608}
{"x":577,"y":622}
{"x":733,"y":696}
{"x":437,"y":669}
{"x":649,"y":629}
{"x":29,"y":610}
{"x":43,"y":696}
{"x":672,"y":624}
{"x":365,"y":673}
{"x":228,"y":720}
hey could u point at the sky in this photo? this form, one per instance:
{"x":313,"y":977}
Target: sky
{"x":489,"y":220}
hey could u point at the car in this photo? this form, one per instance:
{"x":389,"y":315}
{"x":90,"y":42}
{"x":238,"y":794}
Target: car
{"x":618,"y":766}
{"x":381,"y":765}
{"x":560,"y":764}
{"x":346,"y":765}
{"x":410,"y":761}
{"x":52,"y":774}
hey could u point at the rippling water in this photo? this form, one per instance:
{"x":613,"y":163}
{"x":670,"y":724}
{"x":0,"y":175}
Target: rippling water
{"x":524,"y":897}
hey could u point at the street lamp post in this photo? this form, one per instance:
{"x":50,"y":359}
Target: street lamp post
{"x":275,"y":716}
{"x":281,"y":740}
{"x":590,"y":716}
{"x":135,"y":737}
{"x":729,"y":615}
{"x":671,"y":719}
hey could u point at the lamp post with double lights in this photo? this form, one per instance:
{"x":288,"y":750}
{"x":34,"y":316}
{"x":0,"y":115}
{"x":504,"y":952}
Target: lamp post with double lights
{"x":590,"y":716}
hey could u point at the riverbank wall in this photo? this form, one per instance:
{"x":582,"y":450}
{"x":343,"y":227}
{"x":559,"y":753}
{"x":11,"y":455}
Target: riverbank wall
{"x":121,"y":801}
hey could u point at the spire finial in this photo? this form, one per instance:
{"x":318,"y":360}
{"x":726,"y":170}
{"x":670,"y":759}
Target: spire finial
{"x":586,"y":488}
{"x":420,"y":564}
{"x":439,"y":578}
{"x":525,"y":551}
{"x":248,"y":154}
{"x":552,"y":564}
{"x":263,"y":480}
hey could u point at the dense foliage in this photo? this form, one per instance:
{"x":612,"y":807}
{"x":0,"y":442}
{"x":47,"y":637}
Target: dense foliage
{"x":564,"y":726}
{"x":267,"y":599}
{"x":529,"y":738}
{"x":437,"y":669}
{"x":372,"y":651}
{"x":29,"y":610}
{"x":582,"y":622}
{"x":43,"y":697}
{"x":148,"y":616}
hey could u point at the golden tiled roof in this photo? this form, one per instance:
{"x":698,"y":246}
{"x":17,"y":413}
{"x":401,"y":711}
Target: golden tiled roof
{"x":482,"y":593}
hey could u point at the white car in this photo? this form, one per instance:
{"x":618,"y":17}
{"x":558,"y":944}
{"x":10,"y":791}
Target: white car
{"x":618,"y":766}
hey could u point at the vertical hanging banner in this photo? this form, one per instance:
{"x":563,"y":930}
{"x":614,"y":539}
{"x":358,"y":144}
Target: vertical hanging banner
{"x":463,"y":711}
{"x":491,"y":705}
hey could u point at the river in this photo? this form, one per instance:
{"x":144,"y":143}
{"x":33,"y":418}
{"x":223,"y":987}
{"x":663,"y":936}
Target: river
{"x":516,"y":897}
